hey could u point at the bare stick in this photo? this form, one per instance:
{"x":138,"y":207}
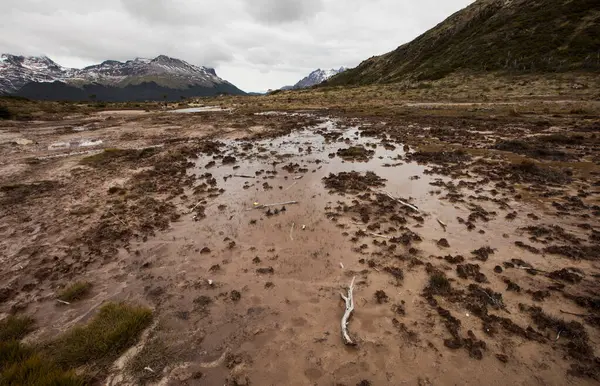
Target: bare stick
{"x":269,"y":205}
{"x":406,"y":204}
{"x":195,"y":206}
{"x":63,"y":302}
{"x":574,"y":314}
{"x":118,"y":218}
{"x":243,"y":176}
{"x":531,"y":269}
{"x":349,"y":309}
{"x":442,"y":224}
{"x":291,"y":186}
{"x":292,"y":231}
{"x":378,"y":235}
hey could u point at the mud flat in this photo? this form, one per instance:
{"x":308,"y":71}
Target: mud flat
{"x":475,"y":245}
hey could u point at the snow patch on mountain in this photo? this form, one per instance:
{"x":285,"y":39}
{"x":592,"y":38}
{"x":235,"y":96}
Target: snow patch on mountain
{"x":316,"y":77}
{"x":16,"y":71}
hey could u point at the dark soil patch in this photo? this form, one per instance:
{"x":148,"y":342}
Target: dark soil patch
{"x":19,"y":193}
{"x":356,"y":153}
{"x":566,"y":275}
{"x":588,"y":252}
{"x":578,"y":345}
{"x":111,"y":158}
{"x":483,"y":253}
{"x":381,"y":297}
{"x":443,"y":243}
{"x":439,"y":157}
{"x":529,"y":171}
{"x":395,"y":272}
{"x":532,"y":149}
{"x":352,"y":182}
{"x":471,"y":271}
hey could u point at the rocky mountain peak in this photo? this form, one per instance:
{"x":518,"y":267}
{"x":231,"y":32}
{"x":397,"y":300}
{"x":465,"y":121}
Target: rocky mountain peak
{"x":17,"y":71}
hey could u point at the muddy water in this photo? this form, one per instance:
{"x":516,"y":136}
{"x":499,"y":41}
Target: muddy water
{"x":285,"y":328}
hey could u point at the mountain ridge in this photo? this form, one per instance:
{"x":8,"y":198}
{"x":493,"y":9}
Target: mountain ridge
{"x":516,"y":36}
{"x":40,"y":74}
{"x":314,"y":78}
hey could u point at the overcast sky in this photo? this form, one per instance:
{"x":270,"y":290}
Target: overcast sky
{"x":255,"y":44}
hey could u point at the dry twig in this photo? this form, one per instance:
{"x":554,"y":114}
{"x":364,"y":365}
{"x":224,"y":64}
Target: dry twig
{"x":270,"y":205}
{"x":406,"y":204}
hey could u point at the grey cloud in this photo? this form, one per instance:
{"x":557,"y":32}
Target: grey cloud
{"x":278,"y":11}
{"x":255,"y":44}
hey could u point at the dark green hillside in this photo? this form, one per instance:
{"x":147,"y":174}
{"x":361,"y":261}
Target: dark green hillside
{"x":516,"y":36}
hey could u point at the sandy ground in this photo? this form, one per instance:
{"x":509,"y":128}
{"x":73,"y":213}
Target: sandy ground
{"x":247,"y":294}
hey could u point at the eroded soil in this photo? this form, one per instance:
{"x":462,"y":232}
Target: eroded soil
{"x":475,"y":245}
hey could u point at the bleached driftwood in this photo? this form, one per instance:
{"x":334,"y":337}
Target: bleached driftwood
{"x":406,"y":204}
{"x":63,"y":302}
{"x":348,"y":313}
{"x":377,"y":235}
{"x":292,"y":231}
{"x":442,"y":223}
{"x":194,"y":207}
{"x":270,"y":205}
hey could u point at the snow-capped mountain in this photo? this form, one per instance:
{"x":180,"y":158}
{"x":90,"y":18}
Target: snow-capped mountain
{"x":16,"y":71}
{"x":162,"y":71}
{"x":314,"y":78}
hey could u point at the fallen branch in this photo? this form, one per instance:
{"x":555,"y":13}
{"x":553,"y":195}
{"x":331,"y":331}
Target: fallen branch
{"x":378,"y":235}
{"x":195,"y":206}
{"x":292,"y":231}
{"x":270,"y":205}
{"x":442,"y":224}
{"x":291,"y":186}
{"x":531,"y":269}
{"x":243,"y":176}
{"x":406,"y":204}
{"x":348,"y":313}
{"x":574,"y":314}
{"x":118,"y":218}
{"x":63,"y":302}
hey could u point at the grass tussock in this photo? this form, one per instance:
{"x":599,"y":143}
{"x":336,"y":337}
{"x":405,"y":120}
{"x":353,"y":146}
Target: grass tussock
{"x":74,"y":292}
{"x":105,"y":338}
{"x":112,"y":156}
{"x":155,"y":355}
{"x":32,"y":370}
{"x":15,"y":328}
{"x":21,"y":364}
{"x":439,"y":284}
{"x":115,"y":328}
